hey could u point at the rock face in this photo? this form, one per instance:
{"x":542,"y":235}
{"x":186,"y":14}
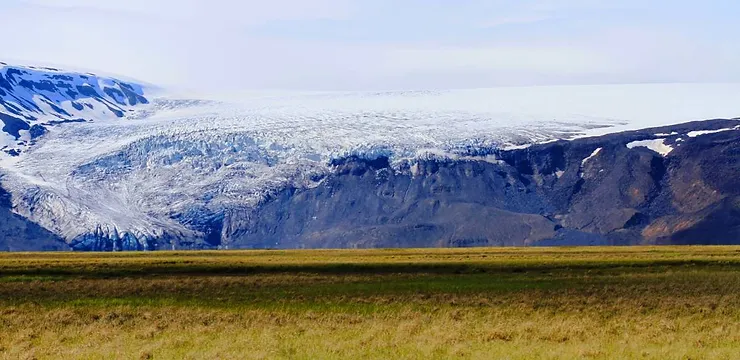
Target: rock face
{"x":595,"y":191}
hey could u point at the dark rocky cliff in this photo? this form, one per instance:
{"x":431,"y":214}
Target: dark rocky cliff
{"x":543,"y":195}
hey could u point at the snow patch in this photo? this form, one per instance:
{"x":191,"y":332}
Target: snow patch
{"x":665,"y":134}
{"x":656,"y":145}
{"x":516,"y":147}
{"x":593,"y":154}
{"x":693,"y":134}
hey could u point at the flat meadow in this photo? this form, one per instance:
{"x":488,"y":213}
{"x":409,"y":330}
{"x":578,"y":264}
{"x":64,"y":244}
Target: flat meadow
{"x":477,"y":303}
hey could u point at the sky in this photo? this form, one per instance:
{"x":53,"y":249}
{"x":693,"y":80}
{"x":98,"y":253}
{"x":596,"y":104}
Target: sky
{"x":222,"y":45}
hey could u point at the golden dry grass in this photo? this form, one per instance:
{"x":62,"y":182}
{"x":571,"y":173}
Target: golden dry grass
{"x":532,"y":303}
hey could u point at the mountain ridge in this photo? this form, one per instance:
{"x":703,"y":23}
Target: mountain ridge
{"x":33,"y":98}
{"x":172,"y":173}
{"x":544,"y":195}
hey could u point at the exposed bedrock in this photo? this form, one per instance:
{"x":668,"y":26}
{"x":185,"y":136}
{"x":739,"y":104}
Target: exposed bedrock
{"x":583,"y":192}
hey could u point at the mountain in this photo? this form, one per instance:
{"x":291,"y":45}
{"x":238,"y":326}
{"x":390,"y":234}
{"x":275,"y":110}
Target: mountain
{"x":33,"y":98}
{"x":670,"y":185}
{"x":112,"y":167}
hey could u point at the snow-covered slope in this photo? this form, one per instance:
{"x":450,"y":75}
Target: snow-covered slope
{"x":172,"y":173}
{"x":33,"y":98}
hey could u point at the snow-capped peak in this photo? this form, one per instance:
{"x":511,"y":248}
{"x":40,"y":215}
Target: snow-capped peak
{"x":34,"y":98}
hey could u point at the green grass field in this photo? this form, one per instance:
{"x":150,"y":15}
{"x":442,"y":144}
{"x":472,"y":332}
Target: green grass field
{"x":499,"y":303}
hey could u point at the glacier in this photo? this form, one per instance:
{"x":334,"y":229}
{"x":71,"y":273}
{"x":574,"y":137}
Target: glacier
{"x":119,"y":165}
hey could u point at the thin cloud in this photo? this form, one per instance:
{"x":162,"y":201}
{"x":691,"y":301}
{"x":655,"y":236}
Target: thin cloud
{"x":515,"y":20}
{"x":246,"y":12}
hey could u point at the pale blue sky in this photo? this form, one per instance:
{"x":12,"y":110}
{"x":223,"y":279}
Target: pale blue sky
{"x":379,"y":44}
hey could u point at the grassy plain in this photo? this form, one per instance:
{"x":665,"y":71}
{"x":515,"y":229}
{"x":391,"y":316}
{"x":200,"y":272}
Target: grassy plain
{"x":493,"y":303}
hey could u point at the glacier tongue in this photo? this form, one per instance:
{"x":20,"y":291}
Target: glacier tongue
{"x":170,"y":171}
